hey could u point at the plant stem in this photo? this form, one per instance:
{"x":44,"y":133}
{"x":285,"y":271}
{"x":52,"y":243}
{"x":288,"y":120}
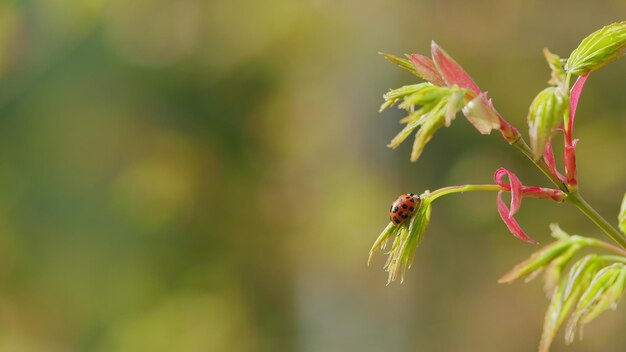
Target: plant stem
{"x":593,"y":215}
{"x":608,"y":246}
{"x":525,"y":149}
{"x":463,"y":188}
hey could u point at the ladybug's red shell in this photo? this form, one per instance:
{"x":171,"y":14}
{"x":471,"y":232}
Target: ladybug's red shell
{"x":403,"y":207}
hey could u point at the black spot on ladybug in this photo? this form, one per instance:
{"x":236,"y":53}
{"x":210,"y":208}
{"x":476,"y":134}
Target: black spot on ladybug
{"x":404,"y":206}
{"x":396,"y":220}
{"x":411,"y":194}
{"x":408,"y":197}
{"x":404,"y":215}
{"x":411,"y":208}
{"x":395,"y":209}
{"x":412,"y":200}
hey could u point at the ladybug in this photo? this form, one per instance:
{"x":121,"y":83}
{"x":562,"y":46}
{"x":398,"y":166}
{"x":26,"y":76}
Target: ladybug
{"x":403,"y":207}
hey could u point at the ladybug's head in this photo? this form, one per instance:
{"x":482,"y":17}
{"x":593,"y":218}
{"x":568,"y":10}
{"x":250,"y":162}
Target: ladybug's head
{"x":416,"y":197}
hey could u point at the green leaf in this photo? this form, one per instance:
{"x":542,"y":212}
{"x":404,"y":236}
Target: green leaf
{"x":393,"y":264}
{"x":601,"y":292}
{"x":558,"y":76}
{"x":417,"y":228}
{"x":557,"y":311}
{"x":455,"y":104}
{"x":427,"y":94}
{"x":434,"y":122}
{"x":414,"y":120}
{"x":553,"y":271}
{"x":404,"y":63}
{"x":565,"y":297}
{"x":598,"y":49}
{"x":609,"y":299}
{"x":621,"y":218}
{"x":405,"y":132}
{"x":545,"y":114}
{"x":404,"y":91}
{"x":395,"y":95}
{"x":581,"y":273}
{"x":382,"y":239}
{"x":537,"y":261}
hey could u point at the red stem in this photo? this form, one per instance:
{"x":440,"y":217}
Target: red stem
{"x":568,"y":133}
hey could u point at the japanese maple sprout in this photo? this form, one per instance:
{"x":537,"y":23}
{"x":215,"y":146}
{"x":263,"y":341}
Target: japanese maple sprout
{"x":579,"y":288}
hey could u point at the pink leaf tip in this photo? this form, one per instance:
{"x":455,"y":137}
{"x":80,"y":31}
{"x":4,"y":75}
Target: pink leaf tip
{"x":426,"y":68}
{"x":575,"y":92}
{"x":451,"y":71}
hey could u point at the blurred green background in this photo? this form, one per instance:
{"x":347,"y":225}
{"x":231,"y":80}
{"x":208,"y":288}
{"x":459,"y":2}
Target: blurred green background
{"x":209,"y":175}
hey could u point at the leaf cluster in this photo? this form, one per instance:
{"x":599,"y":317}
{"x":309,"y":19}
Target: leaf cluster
{"x":429,"y":108}
{"x":592,"y":284}
{"x":404,"y":238}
